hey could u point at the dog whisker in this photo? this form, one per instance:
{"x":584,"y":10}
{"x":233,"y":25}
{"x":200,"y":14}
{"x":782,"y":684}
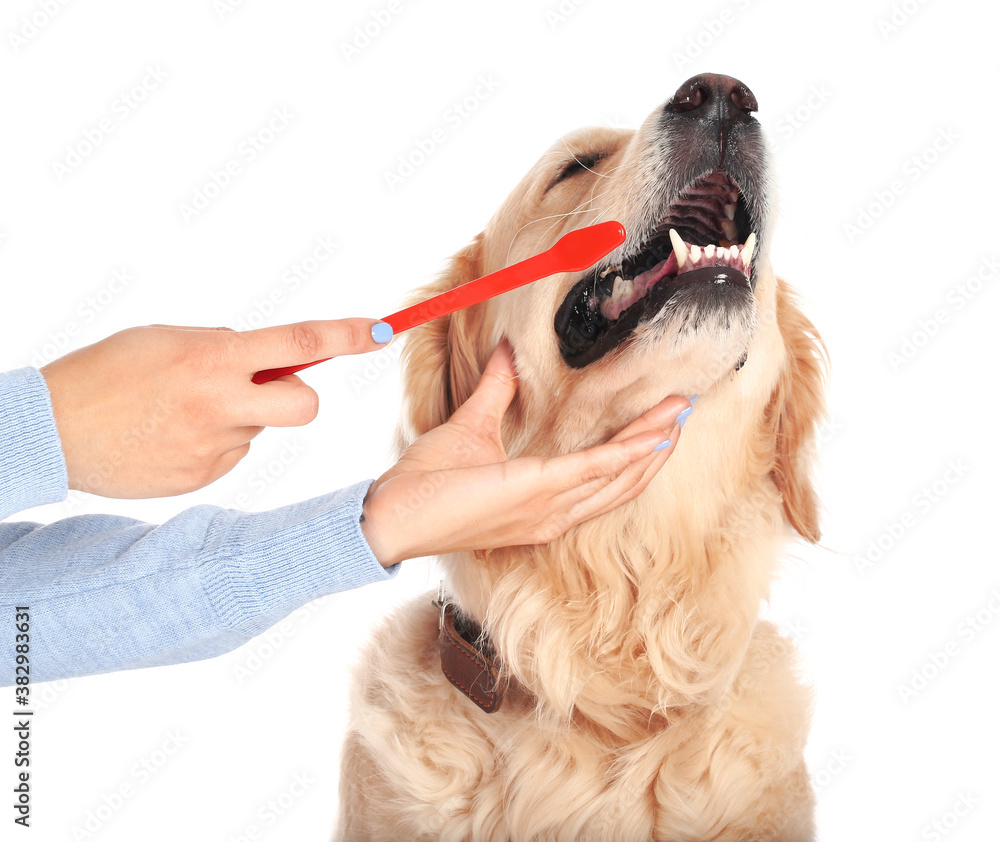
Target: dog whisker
{"x":557,"y":217}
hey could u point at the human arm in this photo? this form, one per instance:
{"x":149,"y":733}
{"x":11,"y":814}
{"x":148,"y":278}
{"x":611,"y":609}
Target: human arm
{"x":109,"y":593}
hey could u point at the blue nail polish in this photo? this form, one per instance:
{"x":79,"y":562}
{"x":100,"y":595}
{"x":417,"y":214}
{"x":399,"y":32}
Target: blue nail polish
{"x":683,"y":416}
{"x":692,"y":399}
{"x":381,"y":332}
{"x":662,"y":445}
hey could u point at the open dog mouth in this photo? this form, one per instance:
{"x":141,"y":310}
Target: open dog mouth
{"x":706,"y":237}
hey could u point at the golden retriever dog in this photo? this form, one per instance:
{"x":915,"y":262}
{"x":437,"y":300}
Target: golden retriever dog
{"x":644,"y":697}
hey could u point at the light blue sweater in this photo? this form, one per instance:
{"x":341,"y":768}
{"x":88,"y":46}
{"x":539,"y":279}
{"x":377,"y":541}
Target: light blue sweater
{"x":108,"y":593}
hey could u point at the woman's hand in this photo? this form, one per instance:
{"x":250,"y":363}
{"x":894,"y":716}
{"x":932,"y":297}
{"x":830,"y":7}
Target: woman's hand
{"x":455,"y":489}
{"x":156,"y":411}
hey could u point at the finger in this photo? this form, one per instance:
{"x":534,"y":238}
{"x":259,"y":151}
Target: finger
{"x":234,"y":438}
{"x":494,"y":392}
{"x":637,"y":435}
{"x":603,"y":493}
{"x":285,"y":402}
{"x":628,"y":485}
{"x":613,"y":484}
{"x":285,"y":378}
{"x":248,"y":434}
{"x":306,"y":342}
{"x":603,"y":462}
{"x":191,"y":327}
{"x":659,"y":417}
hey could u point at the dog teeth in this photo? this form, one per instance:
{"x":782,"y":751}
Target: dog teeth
{"x":730,"y":211}
{"x":746,"y":255}
{"x":680,"y":250}
{"x":609,"y":269}
{"x":622,"y":297}
{"x":623,"y":289}
{"x":729,"y":229}
{"x":688,"y":257}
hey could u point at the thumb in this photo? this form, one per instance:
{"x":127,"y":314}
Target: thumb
{"x":494,"y":392}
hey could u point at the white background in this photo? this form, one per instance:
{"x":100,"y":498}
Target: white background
{"x":850,"y":93}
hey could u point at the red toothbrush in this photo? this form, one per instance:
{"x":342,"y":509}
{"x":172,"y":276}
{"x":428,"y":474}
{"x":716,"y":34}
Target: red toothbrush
{"x":574,"y":252}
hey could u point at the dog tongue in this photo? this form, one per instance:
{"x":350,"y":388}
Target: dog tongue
{"x":645,"y":280}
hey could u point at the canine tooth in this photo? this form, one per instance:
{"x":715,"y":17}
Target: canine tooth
{"x":730,"y":211}
{"x":747,"y":253}
{"x":729,"y":229}
{"x":604,"y":274}
{"x":695,"y":254}
{"x":710,"y":250}
{"x":680,"y":250}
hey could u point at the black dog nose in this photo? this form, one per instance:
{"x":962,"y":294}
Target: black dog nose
{"x":710,"y":95}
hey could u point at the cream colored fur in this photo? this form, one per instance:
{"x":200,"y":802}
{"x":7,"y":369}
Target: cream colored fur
{"x":646,"y":700}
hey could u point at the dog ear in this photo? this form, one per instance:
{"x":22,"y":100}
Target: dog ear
{"x":440,"y":364}
{"x":796,"y":407}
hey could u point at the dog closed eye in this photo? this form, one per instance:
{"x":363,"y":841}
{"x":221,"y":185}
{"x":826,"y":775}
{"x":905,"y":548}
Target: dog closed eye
{"x":580,"y":163}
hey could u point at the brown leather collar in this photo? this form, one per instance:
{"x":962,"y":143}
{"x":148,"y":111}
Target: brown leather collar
{"x":468,"y":658}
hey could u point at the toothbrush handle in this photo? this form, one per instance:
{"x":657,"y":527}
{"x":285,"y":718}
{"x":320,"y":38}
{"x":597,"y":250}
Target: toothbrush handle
{"x":573,"y":252}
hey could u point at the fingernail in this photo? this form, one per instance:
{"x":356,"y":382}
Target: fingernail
{"x":381,"y":332}
{"x":662,"y":445}
{"x":683,"y":416}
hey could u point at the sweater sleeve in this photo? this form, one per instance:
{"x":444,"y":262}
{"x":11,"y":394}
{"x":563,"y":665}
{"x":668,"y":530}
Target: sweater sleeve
{"x":32,"y":467}
{"x":105,"y":592}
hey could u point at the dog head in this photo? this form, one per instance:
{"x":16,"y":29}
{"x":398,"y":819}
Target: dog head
{"x":688,"y":305}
